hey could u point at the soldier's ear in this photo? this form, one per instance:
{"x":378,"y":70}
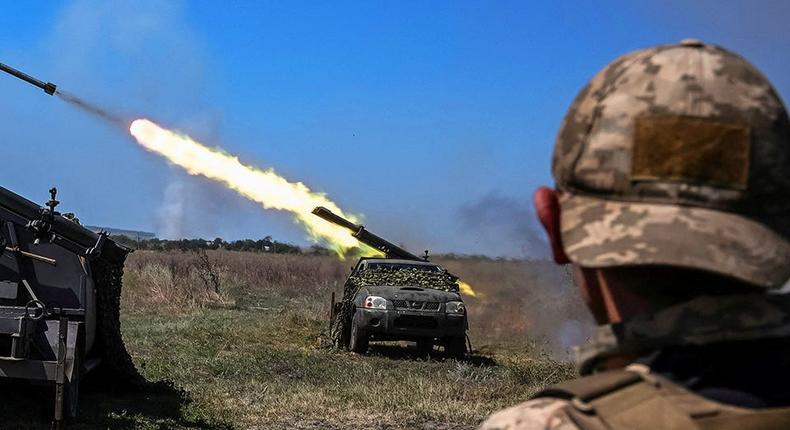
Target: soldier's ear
{"x":547,"y":206}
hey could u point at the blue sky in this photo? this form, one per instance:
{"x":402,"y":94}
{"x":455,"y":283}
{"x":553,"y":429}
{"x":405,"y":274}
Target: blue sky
{"x":433,"y":119}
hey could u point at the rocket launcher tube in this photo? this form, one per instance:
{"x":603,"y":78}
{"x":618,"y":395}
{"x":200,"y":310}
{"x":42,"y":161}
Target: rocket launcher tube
{"x":48,"y":87}
{"x":389,"y":249}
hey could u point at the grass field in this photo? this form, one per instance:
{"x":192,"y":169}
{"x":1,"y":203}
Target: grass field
{"x":238,"y":337}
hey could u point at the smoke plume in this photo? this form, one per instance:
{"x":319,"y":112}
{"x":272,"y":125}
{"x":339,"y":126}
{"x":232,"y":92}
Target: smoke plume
{"x":503,"y":226}
{"x":170,"y":215}
{"x":534,"y":298}
{"x":93,"y":109}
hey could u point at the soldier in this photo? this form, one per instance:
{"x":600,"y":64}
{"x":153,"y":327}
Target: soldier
{"x":672,"y":203}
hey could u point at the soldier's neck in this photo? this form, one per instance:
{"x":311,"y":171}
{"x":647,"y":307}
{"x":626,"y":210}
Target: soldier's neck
{"x":614,"y":297}
{"x":702,"y":321}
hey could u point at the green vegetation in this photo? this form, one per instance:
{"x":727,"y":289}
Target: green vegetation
{"x":238,"y":335}
{"x":404,"y":277}
{"x":267,"y":244}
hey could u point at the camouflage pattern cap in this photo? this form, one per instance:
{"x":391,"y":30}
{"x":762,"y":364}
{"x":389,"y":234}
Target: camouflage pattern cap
{"x":678,"y":155}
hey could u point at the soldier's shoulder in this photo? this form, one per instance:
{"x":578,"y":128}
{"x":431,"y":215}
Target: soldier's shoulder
{"x":542,"y":413}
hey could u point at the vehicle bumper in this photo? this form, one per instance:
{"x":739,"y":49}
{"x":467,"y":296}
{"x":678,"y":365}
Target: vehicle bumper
{"x":395,"y":324}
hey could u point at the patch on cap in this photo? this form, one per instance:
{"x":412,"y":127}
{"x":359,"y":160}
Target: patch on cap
{"x":692,"y":150}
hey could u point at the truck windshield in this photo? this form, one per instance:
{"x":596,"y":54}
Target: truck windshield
{"x":402,"y":266}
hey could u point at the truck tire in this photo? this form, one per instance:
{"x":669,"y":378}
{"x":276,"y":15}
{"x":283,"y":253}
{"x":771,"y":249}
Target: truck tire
{"x":455,"y":347}
{"x":344,"y":326}
{"x":425,"y":346}
{"x":117,"y":365}
{"x":359,"y":339}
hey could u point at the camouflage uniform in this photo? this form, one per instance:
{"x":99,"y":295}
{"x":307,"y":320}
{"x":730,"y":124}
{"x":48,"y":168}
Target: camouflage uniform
{"x":676,"y":156}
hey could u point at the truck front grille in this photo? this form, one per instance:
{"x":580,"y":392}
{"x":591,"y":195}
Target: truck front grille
{"x":416,"y":305}
{"x":415,"y":321}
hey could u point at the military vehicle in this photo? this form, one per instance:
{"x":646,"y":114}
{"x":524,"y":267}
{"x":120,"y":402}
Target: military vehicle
{"x":60,"y":288}
{"x":397,"y":297}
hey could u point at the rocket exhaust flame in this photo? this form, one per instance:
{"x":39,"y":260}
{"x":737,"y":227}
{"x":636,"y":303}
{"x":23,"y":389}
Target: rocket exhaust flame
{"x":466,"y":289}
{"x":265,"y":187}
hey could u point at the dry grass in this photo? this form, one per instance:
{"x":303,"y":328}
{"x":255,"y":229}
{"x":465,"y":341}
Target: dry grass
{"x":263,"y":370}
{"x":177,"y":280}
{"x":518,"y":302}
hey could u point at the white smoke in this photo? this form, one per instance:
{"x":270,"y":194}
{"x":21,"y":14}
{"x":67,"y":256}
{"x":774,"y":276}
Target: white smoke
{"x":170,"y":214}
{"x":143,"y":56}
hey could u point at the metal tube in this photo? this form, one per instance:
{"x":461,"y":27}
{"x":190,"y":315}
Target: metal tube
{"x":48,"y":87}
{"x":388,"y":248}
{"x":330,"y":216}
{"x":47,"y":260}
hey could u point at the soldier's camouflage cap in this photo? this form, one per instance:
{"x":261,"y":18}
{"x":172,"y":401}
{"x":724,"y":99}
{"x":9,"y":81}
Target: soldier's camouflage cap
{"x":678,"y":155}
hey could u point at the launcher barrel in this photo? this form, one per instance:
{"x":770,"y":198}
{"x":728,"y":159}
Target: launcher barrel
{"x":389,"y":249}
{"x":48,"y":87}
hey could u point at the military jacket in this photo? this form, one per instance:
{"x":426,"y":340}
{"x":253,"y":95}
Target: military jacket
{"x":639,"y":397}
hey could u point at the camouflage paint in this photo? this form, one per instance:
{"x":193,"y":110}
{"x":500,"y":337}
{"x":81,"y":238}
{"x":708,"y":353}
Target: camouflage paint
{"x":611,"y":217}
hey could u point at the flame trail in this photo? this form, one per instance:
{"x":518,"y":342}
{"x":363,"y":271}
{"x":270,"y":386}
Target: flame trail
{"x":266,"y":187}
{"x":467,"y":289}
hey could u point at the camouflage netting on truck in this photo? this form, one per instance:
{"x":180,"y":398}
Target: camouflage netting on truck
{"x":117,"y":365}
{"x":341,"y":325}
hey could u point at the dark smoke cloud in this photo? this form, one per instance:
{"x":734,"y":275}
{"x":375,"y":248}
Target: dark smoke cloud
{"x":537,"y":296}
{"x":505,"y":226}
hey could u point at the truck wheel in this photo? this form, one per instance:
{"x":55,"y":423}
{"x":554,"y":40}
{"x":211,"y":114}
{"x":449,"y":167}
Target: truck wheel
{"x":359,"y":339}
{"x":343,"y":322}
{"x":425,"y":346}
{"x":455,"y":347}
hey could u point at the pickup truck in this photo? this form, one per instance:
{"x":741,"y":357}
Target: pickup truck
{"x":399,"y":299}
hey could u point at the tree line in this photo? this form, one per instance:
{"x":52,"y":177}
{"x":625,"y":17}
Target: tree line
{"x":267,"y":244}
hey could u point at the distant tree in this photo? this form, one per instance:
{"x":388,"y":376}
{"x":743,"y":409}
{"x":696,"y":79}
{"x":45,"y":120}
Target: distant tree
{"x":319,"y":250}
{"x":267,"y":244}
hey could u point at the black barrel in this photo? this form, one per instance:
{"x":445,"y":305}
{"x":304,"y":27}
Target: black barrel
{"x":48,"y":87}
{"x":388,"y":248}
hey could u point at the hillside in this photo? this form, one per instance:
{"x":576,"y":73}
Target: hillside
{"x":132,"y":234}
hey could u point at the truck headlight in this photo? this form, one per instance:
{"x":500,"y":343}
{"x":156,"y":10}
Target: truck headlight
{"x":375,"y":302}
{"x":454,"y":307}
